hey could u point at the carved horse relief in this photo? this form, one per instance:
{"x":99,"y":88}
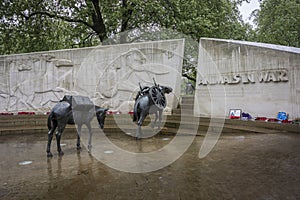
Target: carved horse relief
{"x":119,"y":77}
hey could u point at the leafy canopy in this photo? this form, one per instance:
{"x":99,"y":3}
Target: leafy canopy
{"x":31,"y":25}
{"x":278,"y":22}
{"x":38,"y":25}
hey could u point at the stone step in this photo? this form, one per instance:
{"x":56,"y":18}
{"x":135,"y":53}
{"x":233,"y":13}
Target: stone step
{"x":184,"y":112}
{"x":170,"y":124}
{"x":187,"y":99}
{"x":187,"y":106}
{"x":172,"y":121}
{"x":148,"y":131}
{"x":32,"y":130}
{"x":113,"y":123}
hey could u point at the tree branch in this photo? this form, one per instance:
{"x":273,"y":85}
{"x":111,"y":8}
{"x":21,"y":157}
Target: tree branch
{"x":126,"y":15}
{"x":189,"y":77}
{"x":67,"y":19}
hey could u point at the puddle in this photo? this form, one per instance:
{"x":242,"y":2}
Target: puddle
{"x":27,"y":162}
{"x":79,"y":175}
{"x":108,"y":151}
{"x":3,"y":192}
{"x":239,"y":137}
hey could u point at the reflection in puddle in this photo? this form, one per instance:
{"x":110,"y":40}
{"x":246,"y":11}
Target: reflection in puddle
{"x":78,"y":175}
{"x":27,"y":162}
{"x":239,"y":137}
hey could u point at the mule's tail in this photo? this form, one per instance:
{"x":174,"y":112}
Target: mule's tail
{"x":135,"y":112}
{"x":49,"y":122}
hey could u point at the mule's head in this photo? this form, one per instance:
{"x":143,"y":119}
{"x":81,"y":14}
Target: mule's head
{"x":101,"y":114}
{"x":165,"y":89}
{"x":67,"y":98}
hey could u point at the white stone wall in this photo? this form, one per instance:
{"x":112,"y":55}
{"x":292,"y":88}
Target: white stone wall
{"x":260,"y":79}
{"x":109,"y":75}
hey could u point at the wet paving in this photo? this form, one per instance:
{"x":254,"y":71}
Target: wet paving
{"x":241,"y":166}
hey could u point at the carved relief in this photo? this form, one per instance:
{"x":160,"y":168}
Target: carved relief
{"x":23,"y":67}
{"x":33,"y":83}
{"x":36,"y":81}
{"x":62,"y":62}
{"x":120,"y":78}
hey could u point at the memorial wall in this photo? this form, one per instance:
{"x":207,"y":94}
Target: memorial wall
{"x":256,"y":78}
{"x":109,"y":75}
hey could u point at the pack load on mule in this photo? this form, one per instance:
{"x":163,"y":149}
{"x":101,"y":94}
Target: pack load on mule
{"x":150,"y":100}
{"x":73,"y":110}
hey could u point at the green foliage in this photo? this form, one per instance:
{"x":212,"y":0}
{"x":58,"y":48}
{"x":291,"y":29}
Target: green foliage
{"x":51,"y":24}
{"x":278,"y":22}
{"x":30,"y":25}
{"x":216,"y":18}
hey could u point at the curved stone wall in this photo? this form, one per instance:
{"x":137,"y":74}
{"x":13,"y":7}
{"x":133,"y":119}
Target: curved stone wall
{"x":109,"y":75}
{"x":260,"y":79}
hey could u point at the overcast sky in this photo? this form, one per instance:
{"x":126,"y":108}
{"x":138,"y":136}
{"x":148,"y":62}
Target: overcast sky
{"x":247,"y":8}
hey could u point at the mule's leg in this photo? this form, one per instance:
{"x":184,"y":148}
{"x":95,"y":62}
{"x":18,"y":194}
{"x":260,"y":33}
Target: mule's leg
{"x":50,"y":136}
{"x":154,"y":123}
{"x":138,"y":132}
{"x":159,"y":118}
{"x":78,"y":136}
{"x":60,"y":129}
{"x":90,"y":137}
{"x":139,"y":129}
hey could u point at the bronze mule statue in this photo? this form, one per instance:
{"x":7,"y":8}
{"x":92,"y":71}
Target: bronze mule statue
{"x":71,"y":110}
{"x":150,"y":100}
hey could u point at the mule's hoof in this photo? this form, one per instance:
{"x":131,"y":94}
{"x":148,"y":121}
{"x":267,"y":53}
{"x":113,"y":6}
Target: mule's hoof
{"x":60,"y":153}
{"x":78,"y":147}
{"x":137,"y":138}
{"x":89,"y":148}
{"x":49,"y":155}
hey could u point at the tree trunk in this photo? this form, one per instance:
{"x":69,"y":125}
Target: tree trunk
{"x":98,"y":23}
